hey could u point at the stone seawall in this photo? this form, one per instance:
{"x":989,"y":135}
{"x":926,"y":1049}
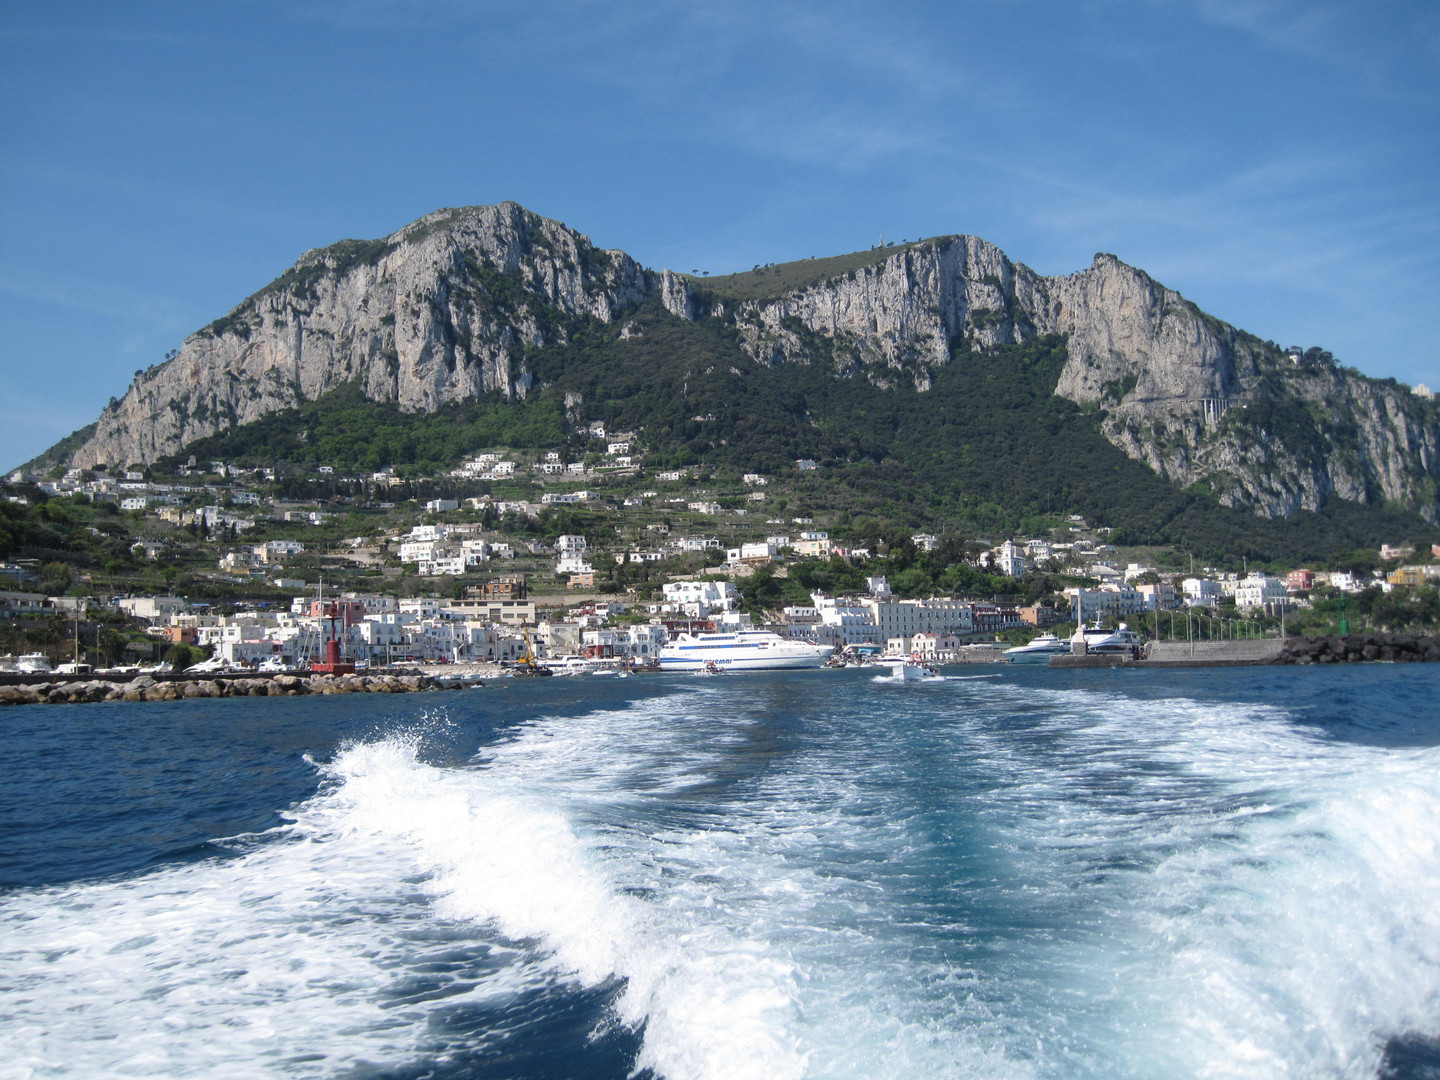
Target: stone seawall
{"x":1217,"y":653}
{"x":146,"y":688}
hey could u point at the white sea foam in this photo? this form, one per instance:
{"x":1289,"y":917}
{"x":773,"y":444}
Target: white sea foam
{"x":289,"y":960}
{"x":1083,"y":890}
{"x":1262,"y":899}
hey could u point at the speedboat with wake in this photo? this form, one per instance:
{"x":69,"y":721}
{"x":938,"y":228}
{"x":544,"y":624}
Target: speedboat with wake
{"x":907,"y":668}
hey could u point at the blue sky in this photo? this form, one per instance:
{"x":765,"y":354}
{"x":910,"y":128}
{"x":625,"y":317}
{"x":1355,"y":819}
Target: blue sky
{"x":1276,"y":161}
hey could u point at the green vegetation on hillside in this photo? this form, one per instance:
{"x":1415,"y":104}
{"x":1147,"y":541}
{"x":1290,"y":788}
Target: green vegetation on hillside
{"x":61,"y":451}
{"x":346,"y":430}
{"x":777,"y":279}
{"x":987,"y":449}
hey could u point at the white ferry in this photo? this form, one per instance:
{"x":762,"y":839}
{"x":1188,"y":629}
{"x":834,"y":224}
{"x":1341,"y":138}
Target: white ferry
{"x":740,"y":650}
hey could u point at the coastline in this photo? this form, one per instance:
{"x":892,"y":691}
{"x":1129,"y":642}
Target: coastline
{"x":84,"y":690}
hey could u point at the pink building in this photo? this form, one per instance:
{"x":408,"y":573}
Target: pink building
{"x":1300,"y":580}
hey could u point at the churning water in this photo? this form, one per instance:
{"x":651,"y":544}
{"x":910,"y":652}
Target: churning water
{"x":1015,"y":873}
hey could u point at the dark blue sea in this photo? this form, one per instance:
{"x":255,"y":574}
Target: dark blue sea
{"x":1006,"y":873}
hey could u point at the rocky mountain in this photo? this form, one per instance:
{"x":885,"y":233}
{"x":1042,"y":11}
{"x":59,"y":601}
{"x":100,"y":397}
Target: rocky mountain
{"x":453,"y":307}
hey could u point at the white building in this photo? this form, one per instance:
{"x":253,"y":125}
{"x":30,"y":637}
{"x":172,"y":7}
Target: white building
{"x":640,"y":642}
{"x":1258,"y":590}
{"x":442,"y":565}
{"x":1160,"y":596}
{"x":1010,"y":560}
{"x":906,"y":618}
{"x":152,"y":607}
{"x":751,"y":553}
{"x":1108,"y":600}
{"x":843,"y":623}
{"x":276,"y":550}
{"x":419,"y":550}
{"x":698,"y":599}
{"x":1202,"y":592}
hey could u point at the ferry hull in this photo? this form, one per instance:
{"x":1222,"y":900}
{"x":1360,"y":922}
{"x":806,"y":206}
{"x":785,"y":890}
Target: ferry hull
{"x":740,"y":663}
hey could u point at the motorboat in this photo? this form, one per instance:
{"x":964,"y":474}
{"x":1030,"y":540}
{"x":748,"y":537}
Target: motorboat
{"x":33,"y":664}
{"x":569,"y":665}
{"x":906,"y":668}
{"x":1039,"y":651}
{"x":740,"y":650}
{"x":1096,"y":639}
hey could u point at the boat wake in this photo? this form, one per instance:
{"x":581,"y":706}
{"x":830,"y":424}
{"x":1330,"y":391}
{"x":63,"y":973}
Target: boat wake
{"x":781,"y":877}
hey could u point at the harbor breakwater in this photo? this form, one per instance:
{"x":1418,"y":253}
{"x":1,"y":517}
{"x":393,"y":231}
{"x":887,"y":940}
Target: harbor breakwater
{"x":1374,"y":647}
{"x":1360,"y":648}
{"x":176,"y":688}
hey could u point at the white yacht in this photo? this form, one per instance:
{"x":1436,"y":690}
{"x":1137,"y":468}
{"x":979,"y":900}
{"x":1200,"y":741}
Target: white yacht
{"x":570,"y":665}
{"x":1039,"y":650}
{"x":33,"y":664}
{"x":1097,"y":640}
{"x":740,"y":650}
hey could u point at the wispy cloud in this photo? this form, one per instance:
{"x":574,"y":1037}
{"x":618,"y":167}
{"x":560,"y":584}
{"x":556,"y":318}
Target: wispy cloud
{"x":145,"y":312}
{"x":1384,"y":45}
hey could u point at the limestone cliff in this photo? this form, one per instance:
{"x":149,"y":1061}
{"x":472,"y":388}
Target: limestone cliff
{"x":1196,"y":399}
{"x":440,"y":311}
{"x":444,"y":310}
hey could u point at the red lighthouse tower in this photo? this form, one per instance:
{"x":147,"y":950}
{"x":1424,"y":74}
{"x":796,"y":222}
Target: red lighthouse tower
{"x":333,"y":613}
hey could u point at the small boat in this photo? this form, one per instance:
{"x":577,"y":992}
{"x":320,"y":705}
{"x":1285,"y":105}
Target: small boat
{"x":569,"y":665}
{"x":710,"y":668}
{"x":1039,"y":650}
{"x":907,"y":668}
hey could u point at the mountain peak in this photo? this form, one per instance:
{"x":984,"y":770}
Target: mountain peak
{"x":451,"y":307}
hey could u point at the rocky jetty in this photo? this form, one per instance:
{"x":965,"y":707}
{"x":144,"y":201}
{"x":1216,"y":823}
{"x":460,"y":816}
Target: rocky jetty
{"x":1360,"y":648}
{"x":146,"y":688}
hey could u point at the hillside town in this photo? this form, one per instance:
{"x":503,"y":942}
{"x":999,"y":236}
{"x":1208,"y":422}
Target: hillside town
{"x":471,"y":567}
